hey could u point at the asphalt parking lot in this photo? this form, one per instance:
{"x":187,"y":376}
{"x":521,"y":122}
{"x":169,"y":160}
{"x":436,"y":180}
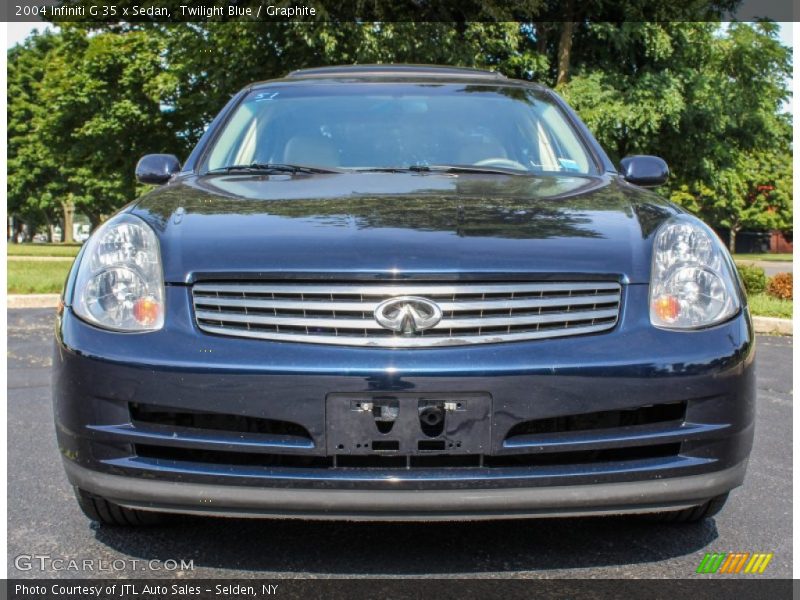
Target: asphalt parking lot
{"x":43,"y":518}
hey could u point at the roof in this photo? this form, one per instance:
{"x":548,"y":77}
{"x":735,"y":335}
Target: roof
{"x":433,"y":71}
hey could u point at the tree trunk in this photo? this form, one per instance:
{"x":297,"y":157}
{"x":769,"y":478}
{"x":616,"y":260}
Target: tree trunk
{"x":59,"y":223}
{"x":51,"y":231}
{"x":541,"y":38}
{"x":19,"y":231}
{"x":69,"y":216}
{"x":95,"y":220}
{"x":732,"y":239}
{"x":565,"y":45}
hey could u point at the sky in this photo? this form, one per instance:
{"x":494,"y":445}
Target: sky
{"x":17,"y":32}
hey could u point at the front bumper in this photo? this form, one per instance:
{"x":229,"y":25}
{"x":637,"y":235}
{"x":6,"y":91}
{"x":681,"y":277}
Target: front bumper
{"x":398,"y":505}
{"x":101,"y":376}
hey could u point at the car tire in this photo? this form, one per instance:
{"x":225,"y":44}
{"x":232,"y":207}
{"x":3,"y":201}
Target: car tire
{"x":695,"y":513}
{"x":107,"y":513}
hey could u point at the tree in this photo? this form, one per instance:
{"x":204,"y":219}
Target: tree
{"x":104,"y":110}
{"x":214,"y":60}
{"x":85,"y":103}
{"x":754,"y":194}
{"x":707,"y":100}
{"x":741,"y":140}
{"x":33,"y":171}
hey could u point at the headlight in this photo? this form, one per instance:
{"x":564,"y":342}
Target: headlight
{"x":691,"y":284}
{"x":120,"y":284}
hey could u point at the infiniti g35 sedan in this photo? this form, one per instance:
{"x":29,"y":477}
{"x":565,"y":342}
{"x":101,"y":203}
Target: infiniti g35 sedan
{"x":402,"y":292}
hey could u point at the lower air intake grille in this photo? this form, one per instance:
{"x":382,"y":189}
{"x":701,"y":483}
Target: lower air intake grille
{"x":673,"y":412}
{"x":442,"y":461}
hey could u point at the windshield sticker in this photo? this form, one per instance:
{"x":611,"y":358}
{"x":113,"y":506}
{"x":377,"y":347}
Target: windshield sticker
{"x":568,"y":164}
{"x":266,"y":96}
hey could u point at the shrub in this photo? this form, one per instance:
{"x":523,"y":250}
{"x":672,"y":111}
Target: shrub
{"x":780,"y":286}
{"x":754,"y":278}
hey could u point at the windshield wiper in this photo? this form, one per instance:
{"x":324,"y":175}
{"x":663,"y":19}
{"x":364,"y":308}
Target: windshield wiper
{"x":273,"y":168}
{"x":445,"y":169}
{"x":382,"y":169}
{"x":470,"y":169}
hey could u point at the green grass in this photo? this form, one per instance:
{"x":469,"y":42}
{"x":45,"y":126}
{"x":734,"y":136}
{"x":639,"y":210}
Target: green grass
{"x":764,"y":257}
{"x":36,"y":277}
{"x":767,"y":306}
{"x":43,"y":249}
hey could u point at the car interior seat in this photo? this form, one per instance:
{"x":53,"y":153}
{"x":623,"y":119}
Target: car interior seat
{"x":311,"y":150}
{"x":478,"y":148}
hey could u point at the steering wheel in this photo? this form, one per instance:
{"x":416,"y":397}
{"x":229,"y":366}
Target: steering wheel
{"x":501,"y":162}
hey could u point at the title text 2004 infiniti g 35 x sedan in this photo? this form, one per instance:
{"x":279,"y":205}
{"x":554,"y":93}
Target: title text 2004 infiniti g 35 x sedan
{"x":402,"y":293}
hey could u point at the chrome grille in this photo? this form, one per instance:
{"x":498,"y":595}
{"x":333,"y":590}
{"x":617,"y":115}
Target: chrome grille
{"x":343,"y":314}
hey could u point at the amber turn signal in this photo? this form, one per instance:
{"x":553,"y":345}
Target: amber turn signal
{"x":667,"y":308}
{"x":146,"y":310}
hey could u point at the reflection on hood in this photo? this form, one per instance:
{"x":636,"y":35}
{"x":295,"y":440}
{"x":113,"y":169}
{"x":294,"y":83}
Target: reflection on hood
{"x":503,"y":206}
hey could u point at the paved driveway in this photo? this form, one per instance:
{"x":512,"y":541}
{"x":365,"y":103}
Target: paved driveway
{"x":43,"y":518}
{"x":771,"y":268}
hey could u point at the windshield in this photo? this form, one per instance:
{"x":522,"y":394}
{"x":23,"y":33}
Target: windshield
{"x":362,"y":126}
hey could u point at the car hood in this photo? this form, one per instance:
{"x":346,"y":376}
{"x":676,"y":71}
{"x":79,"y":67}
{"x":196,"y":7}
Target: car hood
{"x":348,"y":224}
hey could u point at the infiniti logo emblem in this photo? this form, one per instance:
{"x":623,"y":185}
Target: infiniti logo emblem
{"x":408,"y":314}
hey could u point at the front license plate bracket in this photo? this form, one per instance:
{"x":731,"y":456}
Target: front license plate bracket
{"x":407,"y":424}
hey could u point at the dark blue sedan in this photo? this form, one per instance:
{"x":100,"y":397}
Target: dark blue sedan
{"x":397,"y":292}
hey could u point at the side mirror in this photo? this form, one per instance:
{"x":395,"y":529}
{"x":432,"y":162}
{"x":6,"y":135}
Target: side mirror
{"x":644,"y":170}
{"x":157,"y":168}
